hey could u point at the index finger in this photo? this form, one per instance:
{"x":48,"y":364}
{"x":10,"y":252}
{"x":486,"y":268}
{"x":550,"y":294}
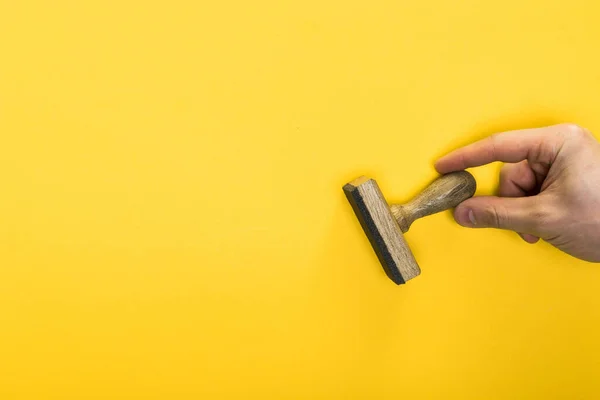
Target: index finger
{"x":511,"y":147}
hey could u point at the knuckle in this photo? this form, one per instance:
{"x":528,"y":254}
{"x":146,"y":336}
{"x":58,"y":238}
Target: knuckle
{"x":493,"y":217}
{"x":570,"y":130}
{"x":572,"y":135}
{"x":505,"y":172}
{"x":493,"y":140}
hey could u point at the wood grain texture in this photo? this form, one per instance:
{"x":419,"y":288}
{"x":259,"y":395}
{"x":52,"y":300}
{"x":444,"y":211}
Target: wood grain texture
{"x":384,"y":225}
{"x":444,"y":193}
{"x":382,"y":229}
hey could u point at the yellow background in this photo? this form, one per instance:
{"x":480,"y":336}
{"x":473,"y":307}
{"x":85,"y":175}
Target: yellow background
{"x":172,"y":224}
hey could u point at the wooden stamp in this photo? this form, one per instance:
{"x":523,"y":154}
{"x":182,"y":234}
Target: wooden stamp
{"x":385,"y":225}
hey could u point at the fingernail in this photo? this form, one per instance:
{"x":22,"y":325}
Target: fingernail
{"x":465,"y":217}
{"x":472,"y":217}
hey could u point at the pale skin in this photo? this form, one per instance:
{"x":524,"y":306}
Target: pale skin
{"x":549,"y":189}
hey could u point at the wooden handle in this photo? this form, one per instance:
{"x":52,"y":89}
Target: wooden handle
{"x":445,"y":192}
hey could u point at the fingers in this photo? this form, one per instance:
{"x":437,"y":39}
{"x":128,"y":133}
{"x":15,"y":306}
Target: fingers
{"x":512,"y":147}
{"x":512,"y":213}
{"x":516,"y":180}
{"x":529,"y":238}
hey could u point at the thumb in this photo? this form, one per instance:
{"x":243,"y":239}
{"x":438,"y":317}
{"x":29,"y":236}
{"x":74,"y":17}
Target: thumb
{"x":512,"y":213}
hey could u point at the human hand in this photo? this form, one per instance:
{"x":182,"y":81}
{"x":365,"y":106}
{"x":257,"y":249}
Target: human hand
{"x":550,"y":189}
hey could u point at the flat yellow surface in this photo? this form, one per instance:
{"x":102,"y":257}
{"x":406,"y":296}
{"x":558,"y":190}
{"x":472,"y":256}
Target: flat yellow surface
{"x":172,"y":224}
